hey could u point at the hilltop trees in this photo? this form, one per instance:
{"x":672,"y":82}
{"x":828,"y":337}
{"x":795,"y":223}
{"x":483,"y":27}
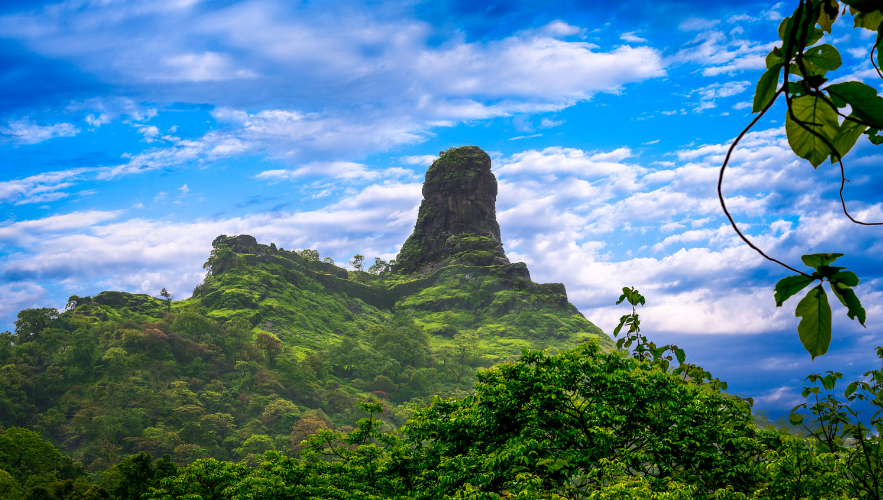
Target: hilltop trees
{"x":168,"y":298}
{"x":357,"y":261}
{"x":32,"y":322}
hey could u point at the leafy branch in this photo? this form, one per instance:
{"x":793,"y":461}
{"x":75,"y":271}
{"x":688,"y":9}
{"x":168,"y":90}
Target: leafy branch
{"x":661,"y":356}
{"x":817,"y":128}
{"x":838,"y":429}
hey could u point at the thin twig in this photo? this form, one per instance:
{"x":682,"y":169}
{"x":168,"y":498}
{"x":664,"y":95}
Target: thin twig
{"x":871,"y":55}
{"x":720,"y":181}
{"x":843,"y":181}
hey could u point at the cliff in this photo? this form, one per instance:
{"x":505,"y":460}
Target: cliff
{"x":457,"y":219}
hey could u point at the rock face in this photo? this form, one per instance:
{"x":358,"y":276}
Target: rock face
{"x":457,"y":218}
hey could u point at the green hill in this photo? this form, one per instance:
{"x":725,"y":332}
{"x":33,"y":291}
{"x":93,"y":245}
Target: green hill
{"x":275,"y":344}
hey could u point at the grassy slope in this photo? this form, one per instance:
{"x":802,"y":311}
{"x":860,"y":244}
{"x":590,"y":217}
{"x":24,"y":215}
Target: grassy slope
{"x":309,"y":305}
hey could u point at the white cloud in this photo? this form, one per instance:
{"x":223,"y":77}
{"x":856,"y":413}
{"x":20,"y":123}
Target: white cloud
{"x":150,"y":132}
{"x":16,"y":296}
{"x":697,"y":24}
{"x":720,"y":53}
{"x":632,"y":38}
{"x":226,"y":53}
{"x":41,"y":187}
{"x":204,"y":67}
{"x":103,"y":110}
{"x":424,"y":160}
{"x":781,"y":397}
{"x":24,"y":232}
{"x":25,"y":131}
{"x":561,"y":29}
{"x":525,"y":137}
{"x":339,"y":169}
{"x":709,"y":93}
{"x":549,"y":123}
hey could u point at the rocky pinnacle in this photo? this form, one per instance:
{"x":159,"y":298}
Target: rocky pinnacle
{"x":458,"y":213}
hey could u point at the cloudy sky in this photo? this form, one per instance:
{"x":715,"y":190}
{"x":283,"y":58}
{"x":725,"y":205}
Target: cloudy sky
{"x":134,"y":132}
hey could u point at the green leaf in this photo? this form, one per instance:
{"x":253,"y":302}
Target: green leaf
{"x":787,"y":287}
{"x":849,"y":133}
{"x":830,"y":9}
{"x":850,"y":389}
{"x":774,"y":58}
{"x":847,"y":278}
{"x":679,"y":353}
{"x":828,"y":382}
{"x":866,"y":104}
{"x":814,"y":328}
{"x":818,"y":119}
{"x":785,"y":29}
{"x":815,"y":36}
{"x":766,"y":88}
{"x":818,"y":260}
{"x":850,"y":301}
{"x":827,"y":271}
{"x":796,"y":89}
{"x":787,"y":25}
{"x":822,"y":58}
{"x":873,"y":136}
{"x":795,"y":418}
{"x":868,"y":20}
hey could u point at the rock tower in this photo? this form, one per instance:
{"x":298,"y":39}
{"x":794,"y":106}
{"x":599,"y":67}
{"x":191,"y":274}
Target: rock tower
{"x":457,"y":220}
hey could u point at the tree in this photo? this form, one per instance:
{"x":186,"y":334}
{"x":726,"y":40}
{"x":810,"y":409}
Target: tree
{"x":221,"y":259}
{"x":31,"y":322}
{"x":24,"y":454}
{"x":570,"y":424}
{"x":166,"y":295}
{"x":818,"y":129}
{"x":357,"y":261}
{"x":137,"y":473}
{"x":309,"y":254}
{"x":379,"y":266}
{"x":75,"y":301}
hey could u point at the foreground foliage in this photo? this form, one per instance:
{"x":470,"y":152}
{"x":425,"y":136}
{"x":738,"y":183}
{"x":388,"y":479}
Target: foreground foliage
{"x":578,"y":424}
{"x":822,"y":121}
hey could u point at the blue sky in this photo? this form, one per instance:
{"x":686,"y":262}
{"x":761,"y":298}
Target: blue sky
{"x":134,"y":132}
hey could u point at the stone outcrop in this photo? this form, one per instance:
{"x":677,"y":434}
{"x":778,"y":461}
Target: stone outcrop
{"x":457,"y":218}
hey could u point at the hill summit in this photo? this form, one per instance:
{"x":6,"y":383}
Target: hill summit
{"x":452,"y":276}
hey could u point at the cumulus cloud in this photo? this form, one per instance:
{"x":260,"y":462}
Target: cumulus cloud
{"x":566,"y":211}
{"x":222,"y":55}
